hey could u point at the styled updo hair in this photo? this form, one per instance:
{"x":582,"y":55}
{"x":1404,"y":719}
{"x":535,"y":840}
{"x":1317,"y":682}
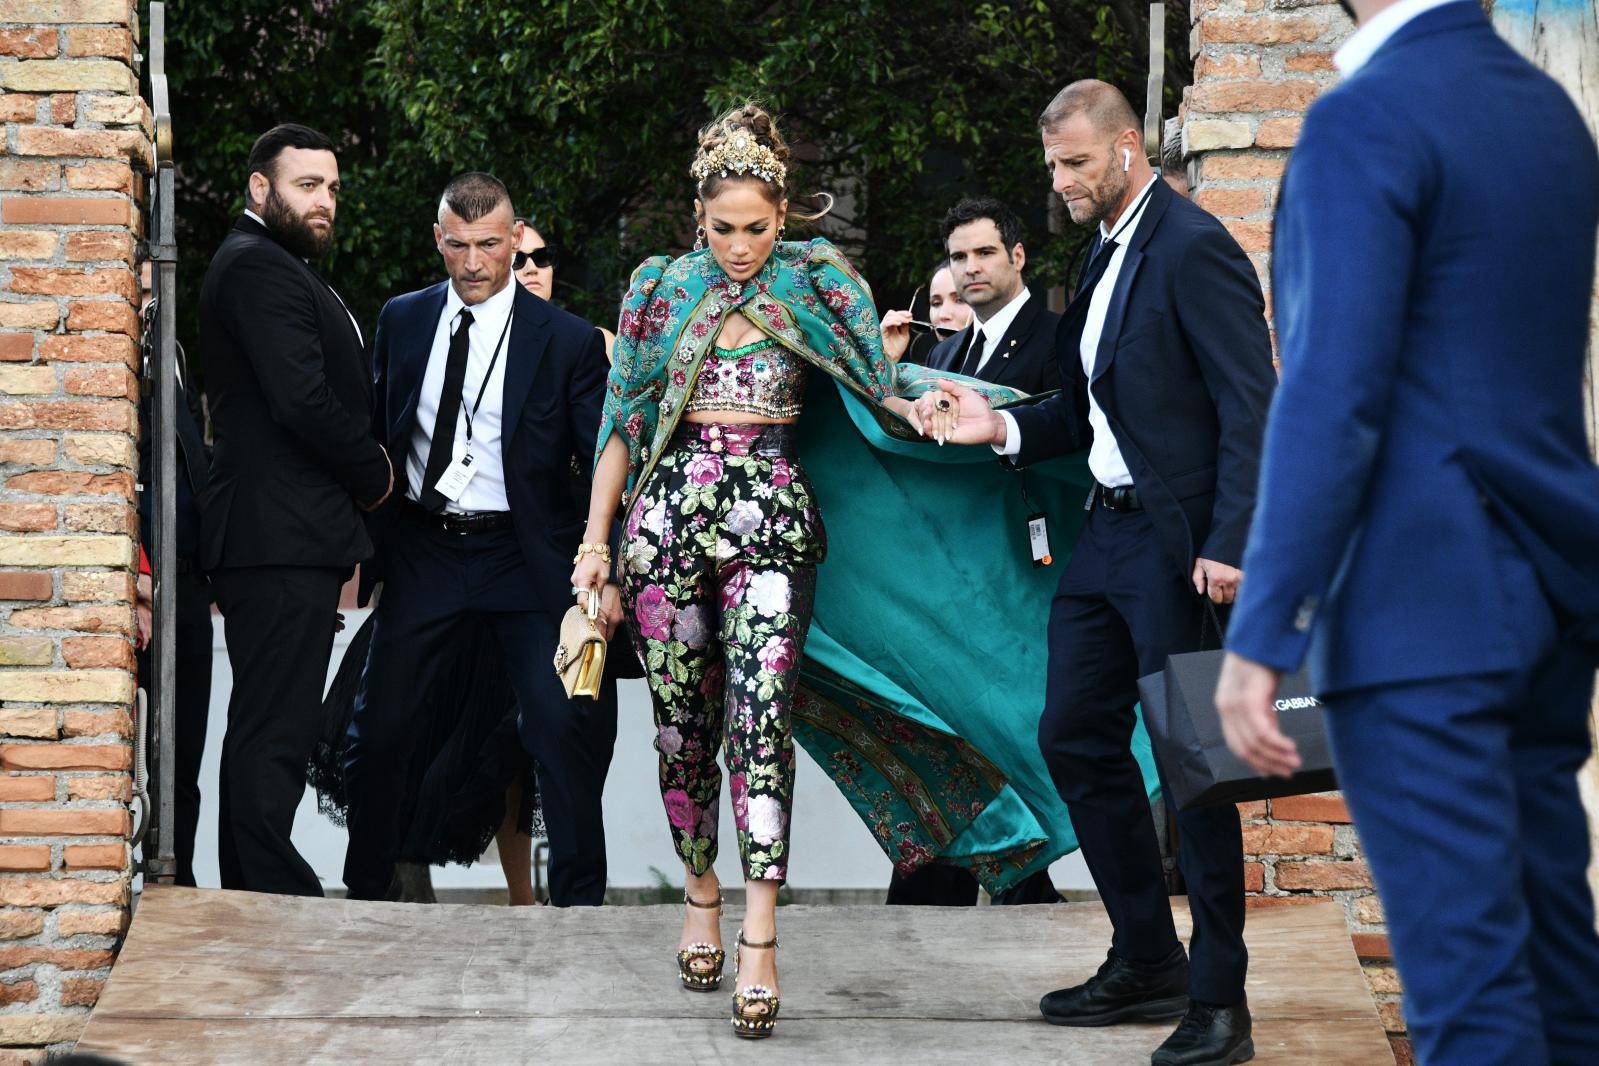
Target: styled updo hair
{"x":754,"y":120}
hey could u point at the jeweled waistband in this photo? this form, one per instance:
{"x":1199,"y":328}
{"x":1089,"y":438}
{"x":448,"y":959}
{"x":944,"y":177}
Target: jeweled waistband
{"x":735,"y":439}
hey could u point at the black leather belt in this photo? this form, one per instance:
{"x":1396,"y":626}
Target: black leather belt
{"x":458,"y":524}
{"x":1120,"y":498}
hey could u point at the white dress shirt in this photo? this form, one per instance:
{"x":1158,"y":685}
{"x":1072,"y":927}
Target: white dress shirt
{"x":1374,"y":33}
{"x":490,"y":319}
{"x":1105,"y":460}
{"x":990,"y":333}
{"x":359,"y":336}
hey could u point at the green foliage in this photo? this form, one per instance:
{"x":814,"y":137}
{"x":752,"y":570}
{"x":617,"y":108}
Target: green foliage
{"x":588,"y":111}
{"x":899,"y":110}
{"x":238,"y":67}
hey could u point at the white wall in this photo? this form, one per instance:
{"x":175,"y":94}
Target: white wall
{"x":832,"y":847}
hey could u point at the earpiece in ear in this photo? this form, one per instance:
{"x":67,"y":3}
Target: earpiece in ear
{"x":1127,"y":160}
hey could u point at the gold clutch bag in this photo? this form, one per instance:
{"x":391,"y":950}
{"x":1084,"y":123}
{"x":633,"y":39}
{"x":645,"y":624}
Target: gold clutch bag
{"x":580,"y":656}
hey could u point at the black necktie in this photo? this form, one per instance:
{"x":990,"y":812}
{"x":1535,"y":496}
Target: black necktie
{"x":441,"y":451}
{"x":974,"y":354}
{"x":1095,"y":269}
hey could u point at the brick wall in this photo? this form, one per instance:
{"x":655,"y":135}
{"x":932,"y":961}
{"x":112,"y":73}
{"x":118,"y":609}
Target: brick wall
{"x":76,"y":137}
{"x":1258,"y":64}
{"x":1300,"y":849}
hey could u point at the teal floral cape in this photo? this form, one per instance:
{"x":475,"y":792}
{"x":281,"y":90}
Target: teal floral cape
{"x":923,"y":677}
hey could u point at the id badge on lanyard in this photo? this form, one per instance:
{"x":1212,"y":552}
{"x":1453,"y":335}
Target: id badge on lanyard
{"x":456,"y":477}
{"x":1038,"y":539}
{"x":1037,"y":530}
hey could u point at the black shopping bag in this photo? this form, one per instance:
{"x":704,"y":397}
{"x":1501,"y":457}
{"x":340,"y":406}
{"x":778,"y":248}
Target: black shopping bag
{"x":1179,"y":706}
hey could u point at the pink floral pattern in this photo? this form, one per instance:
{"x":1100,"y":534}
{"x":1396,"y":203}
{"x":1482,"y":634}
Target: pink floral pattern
{"x":722,"y":612}
{"x":653,"y":613}
{"x":680,"y":810}
{"x":704,"y":469}
{"x":734,"y":582}
{"x":777,"y":654}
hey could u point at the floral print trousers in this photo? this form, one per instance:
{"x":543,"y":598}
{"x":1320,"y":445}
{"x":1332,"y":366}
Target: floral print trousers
{"x":719,"y":570}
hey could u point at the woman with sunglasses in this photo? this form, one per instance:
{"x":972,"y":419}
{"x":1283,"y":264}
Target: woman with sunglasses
{"x":947,"y":314}
{"x":534,"y":266}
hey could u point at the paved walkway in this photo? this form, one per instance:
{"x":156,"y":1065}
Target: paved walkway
{"x":227,"y":977}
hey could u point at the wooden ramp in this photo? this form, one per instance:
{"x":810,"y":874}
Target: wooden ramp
{"x":230,"y":977}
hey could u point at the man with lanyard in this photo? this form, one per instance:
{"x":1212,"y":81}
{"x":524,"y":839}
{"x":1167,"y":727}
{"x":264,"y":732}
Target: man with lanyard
{"x":1166,"y":364}
{"x":488,"y":392}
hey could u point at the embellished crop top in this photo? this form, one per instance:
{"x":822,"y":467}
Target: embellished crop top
{"x":763,"y":378}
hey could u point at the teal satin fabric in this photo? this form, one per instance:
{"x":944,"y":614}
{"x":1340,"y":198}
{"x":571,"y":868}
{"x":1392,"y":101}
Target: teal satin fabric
{"x":929,"y":640}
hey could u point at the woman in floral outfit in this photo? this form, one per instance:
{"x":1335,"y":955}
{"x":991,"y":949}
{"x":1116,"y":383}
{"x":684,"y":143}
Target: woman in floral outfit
{"x":721,"y":597}
{"x":722,"y":536}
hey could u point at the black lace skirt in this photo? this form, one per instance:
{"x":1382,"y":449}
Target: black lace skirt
{"x":463,"y":766}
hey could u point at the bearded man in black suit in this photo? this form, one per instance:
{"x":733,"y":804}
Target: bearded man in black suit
{"x":1166,"y":361}
{"x":294,"y":466}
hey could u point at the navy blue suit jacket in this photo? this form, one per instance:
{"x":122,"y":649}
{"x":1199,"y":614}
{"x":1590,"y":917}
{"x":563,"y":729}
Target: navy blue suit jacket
{"x":1183,"y":375}
{"x":1428,"y":506}
{"x":555,"y":372}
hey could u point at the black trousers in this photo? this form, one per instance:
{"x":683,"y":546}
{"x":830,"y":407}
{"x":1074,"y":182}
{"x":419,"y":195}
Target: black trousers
{"x":279,"y":623}
{"x":191,"y":706}
{"x":1121,"y":608}
{"x":937,"y":885}
{"x":440,"y":589}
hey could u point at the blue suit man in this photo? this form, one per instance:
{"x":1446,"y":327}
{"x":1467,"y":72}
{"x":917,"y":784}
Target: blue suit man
{"x":479,"y":367}
{"x":1427,"y":525}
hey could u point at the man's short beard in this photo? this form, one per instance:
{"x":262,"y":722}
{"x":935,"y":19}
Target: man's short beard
{"x":1107,"y":198}
{"x":292,"y":230}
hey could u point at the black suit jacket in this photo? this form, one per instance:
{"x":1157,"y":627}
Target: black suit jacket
{"x":1025,"y":358}
{"x":1183,"y":375}
{"x":555,"y":372}
{"x":286,"y":374}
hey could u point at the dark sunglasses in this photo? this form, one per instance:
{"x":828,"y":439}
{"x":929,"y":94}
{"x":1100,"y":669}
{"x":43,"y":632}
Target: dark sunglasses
{"x":543,"y":258}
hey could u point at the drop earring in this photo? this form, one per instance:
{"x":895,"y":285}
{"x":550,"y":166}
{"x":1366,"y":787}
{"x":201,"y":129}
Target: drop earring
{"x":782,"y":232}
{"x":699,"y":238}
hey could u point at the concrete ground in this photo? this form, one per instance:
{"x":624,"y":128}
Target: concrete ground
{"x":223,"y":977}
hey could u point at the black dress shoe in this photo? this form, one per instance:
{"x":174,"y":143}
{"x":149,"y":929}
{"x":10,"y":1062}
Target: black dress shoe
{"x":1123,"y":991}
{"x":1209,"y":1036}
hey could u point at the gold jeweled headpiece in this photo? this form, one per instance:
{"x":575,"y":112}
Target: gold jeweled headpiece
{"x":737,"y":157}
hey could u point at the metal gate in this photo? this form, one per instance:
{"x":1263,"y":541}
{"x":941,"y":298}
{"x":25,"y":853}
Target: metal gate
{"x":154,"y":725}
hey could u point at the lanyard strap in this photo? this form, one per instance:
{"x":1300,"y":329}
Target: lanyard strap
{"x":487,"y":374}
{"x":1132,"y":213}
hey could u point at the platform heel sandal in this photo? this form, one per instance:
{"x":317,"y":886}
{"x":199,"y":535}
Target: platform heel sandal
{"x":699,"y":966}
{"x":755,"y":1008}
